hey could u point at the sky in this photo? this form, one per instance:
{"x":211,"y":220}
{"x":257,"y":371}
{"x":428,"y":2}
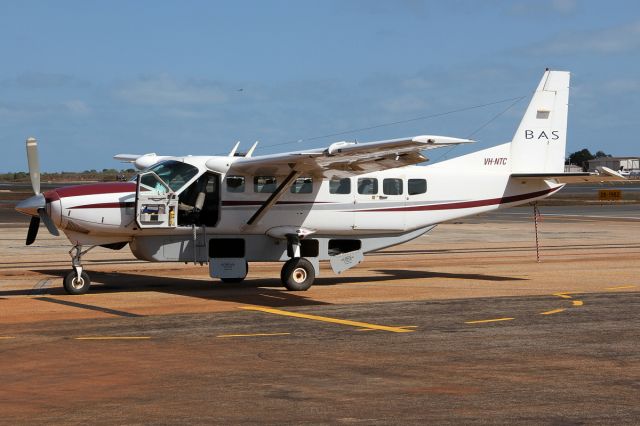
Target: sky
{"x":91,"y":79}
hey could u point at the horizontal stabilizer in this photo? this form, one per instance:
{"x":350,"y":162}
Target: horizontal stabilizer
{"x":606,"y":175}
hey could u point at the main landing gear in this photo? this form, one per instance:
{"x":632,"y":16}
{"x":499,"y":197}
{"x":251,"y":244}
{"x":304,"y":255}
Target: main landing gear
{"x":77,"y":281}
{"x":297,"y":273}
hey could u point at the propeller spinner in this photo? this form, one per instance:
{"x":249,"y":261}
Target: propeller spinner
{"x":35,"y":206}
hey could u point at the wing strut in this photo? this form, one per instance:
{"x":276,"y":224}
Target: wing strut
{"x":274,"y":197}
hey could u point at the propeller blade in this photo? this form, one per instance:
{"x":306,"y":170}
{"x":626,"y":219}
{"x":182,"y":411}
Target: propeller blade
{"x":42,"y":213}
{"x":34,"y":164}
{"x":33,"y":230}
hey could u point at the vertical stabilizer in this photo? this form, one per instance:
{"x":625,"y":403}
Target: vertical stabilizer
{"x":539,"y":144}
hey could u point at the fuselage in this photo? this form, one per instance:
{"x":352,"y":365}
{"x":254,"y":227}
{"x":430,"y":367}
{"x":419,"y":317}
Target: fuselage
{"x":391,"y":201}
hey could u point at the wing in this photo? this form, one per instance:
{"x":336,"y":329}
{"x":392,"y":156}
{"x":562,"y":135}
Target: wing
{"x":127,"y":158}
{"x":343,"y":159}
{"x":141,"y":161}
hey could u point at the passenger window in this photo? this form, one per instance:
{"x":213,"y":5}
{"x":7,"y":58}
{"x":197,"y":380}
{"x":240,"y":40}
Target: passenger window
{"x":340,"y":186}
{"x":392,"y":187}
{"x":303,"y":185}
{"x":235,"y":183}
{"x":367,"y":186}
{"x":417,"y":186}
{"x":264,"y":184}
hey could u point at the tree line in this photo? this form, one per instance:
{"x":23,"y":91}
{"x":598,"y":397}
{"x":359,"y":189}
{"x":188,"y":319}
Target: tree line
{"x":105,"y":175}
{"x":582,"y":157}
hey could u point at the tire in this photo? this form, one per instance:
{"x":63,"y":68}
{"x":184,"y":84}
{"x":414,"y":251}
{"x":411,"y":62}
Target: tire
{"x":73,"y":285}
{"x":236,"y":280}
{"x":298,"y":274}
{"x":283,"y":279}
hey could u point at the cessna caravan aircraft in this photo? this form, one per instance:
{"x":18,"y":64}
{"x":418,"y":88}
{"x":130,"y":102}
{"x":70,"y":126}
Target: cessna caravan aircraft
{"x":335,"y":203}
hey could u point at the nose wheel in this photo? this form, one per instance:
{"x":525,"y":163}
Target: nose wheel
{"x":298,"y":274}
{"x":74,"y":284}
{"x":77,"y":281}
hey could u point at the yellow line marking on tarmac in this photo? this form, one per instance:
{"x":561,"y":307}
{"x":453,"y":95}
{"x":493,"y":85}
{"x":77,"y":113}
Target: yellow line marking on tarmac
{"x":6,"y":337}
{"x":488,"y":320}
{"x":253,"y":335}
{"x":358,"y":324}
{"x":400,"y":326}
{"x":563,"y":295}
{"x":555,"y":311}
{"x":113,"y":338}
{"x":621,"y":287}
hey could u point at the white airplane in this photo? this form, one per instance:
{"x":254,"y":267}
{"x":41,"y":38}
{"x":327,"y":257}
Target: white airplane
{"x":335,"y":203}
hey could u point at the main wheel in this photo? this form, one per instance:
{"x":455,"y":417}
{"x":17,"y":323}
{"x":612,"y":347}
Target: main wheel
{"x":298,"y":274}
{"x":77,"y":285}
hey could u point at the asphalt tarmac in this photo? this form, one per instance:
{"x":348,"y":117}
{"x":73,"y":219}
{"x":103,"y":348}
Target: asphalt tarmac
{"x":461,"y":326}
{"x":578,"y":366}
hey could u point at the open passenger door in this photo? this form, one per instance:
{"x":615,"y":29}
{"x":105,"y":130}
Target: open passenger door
{"x":156,"y":203}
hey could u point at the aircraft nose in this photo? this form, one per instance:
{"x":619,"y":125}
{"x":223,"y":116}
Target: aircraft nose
{"x":31,"y":205}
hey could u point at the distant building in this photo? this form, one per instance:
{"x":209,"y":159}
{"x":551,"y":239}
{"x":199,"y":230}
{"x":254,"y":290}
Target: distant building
{"x":625,"y":164}
{"x":572,"y":168}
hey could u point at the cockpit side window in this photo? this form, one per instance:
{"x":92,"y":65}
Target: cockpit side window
{"x":174,"y":173}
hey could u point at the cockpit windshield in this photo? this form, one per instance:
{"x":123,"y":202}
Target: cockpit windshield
{"x":174,"y":173}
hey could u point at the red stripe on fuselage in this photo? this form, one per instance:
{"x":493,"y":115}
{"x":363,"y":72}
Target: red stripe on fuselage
{"x":95,"y":189}
{"x":120,"y":205}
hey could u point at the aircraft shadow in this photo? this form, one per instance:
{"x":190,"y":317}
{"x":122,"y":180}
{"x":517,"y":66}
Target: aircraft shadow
{"x":261,"y":291}
{"x":264,"y":292}
{"x":399,"y":274}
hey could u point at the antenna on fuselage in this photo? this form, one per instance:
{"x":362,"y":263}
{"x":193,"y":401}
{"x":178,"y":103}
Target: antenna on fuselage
{"x":235,"y":148}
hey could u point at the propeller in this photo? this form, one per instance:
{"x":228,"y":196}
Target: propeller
{"x":35,"y":206}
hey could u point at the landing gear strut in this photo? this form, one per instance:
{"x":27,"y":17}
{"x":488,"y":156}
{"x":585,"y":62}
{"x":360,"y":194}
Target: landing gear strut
{"x":77,"y":281}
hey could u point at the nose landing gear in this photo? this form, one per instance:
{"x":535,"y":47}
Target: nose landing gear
{"x":77,"y":281}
